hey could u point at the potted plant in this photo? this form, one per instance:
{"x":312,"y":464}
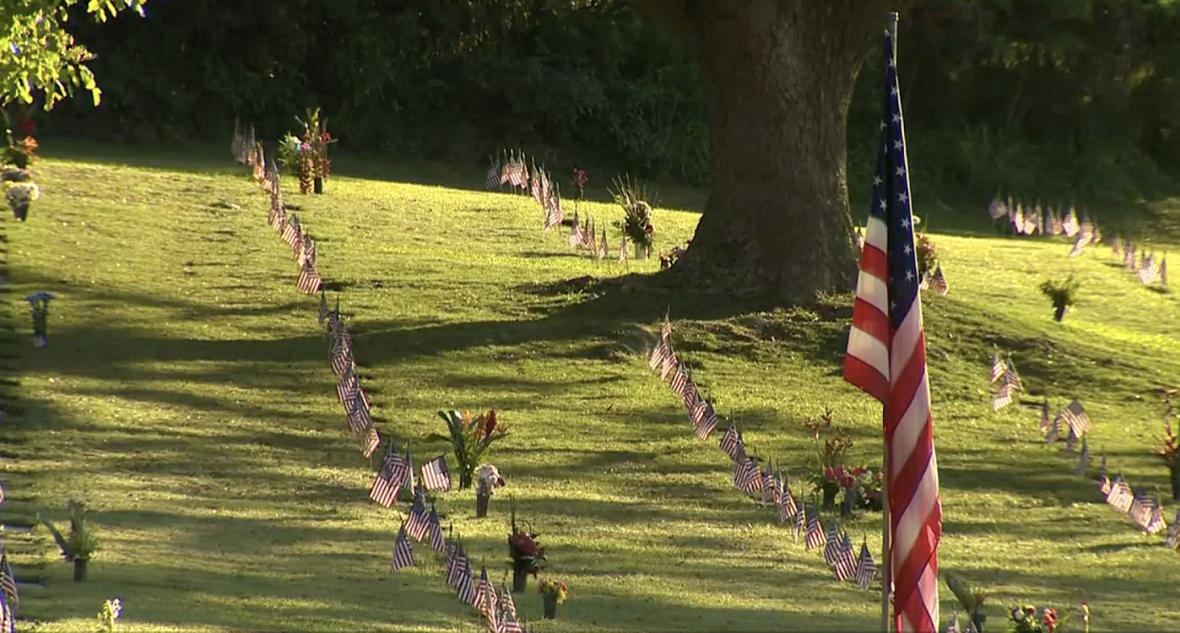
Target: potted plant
{"x":526,"y":554}
{"x":829,"y":455}
{"x":1168,"y":453}
{"x":1063,"y":294}
{"x":470,"y":439}
{"x":636,"y":224}
{"x":971,"y":600}
{"x":486,"y":482}
{"x":19,"y":195}
{"x":314,"y":151}
{"x":82,"y":543}
{"x":554,"y":592}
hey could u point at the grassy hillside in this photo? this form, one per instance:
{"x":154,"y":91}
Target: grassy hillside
{"x":186,"y":395}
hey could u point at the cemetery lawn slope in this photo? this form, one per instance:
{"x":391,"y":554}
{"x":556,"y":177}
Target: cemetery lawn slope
{"x":186,"y":395}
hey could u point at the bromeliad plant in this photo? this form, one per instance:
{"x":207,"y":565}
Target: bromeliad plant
{"x":470,"y":439}
{"x":82,"y":542}
{"x":831,"y":446}
{"x":1063,"y":294}
{"x":108,"y":616}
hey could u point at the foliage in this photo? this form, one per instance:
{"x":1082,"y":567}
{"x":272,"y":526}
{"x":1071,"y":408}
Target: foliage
{"x":927,"y":254}
{"x":108,"y":616}
{"x":527,"y":555}
{"x":19,"y":154}
{"x":82,"y":543}
{"x":1168,"y":450}
{"x":470,"y":439}
{"x":970,"y":599}
{"x":636,"y":223}
{"x":40,"y":57}
{"x":552,"y":587}
{"x":290,"y":153}
{"x":1029,"y":619}
{"x":1063,"y":293}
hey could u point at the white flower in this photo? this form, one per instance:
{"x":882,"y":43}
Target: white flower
{"x":21,"y":192}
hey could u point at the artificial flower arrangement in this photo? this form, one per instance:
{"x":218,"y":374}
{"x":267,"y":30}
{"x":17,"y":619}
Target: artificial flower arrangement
{"x":470,"y":438}
{"x":1030,"y":619}
{"x":19,"y":154}
{"x":830,"y":456}
{"x":637,"y":224}
{"x":554,"y":592}
{"x":870,"y":484}
{"x":927,"y":255}
{"x":488,"y":480}
{"x":308,"y":152}
{"x":527,"y":555}
{"x":108,"y":616}
{"x":19,"y":189}
{"x":19,"y":195}
{"x":579,"y":181}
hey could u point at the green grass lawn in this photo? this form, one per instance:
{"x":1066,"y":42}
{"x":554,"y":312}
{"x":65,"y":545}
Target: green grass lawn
{"x":186,"y":395}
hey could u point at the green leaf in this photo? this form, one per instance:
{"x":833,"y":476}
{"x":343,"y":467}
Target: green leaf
{"x":57,"y":537}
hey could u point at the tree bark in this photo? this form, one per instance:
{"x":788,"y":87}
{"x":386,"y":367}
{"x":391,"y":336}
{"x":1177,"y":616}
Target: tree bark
{"x":778,"y":78}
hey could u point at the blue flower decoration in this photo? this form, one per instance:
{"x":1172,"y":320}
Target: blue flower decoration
{"x":38,"y":296}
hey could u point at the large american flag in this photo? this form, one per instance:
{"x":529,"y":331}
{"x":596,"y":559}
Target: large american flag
{"x":887,"y":359}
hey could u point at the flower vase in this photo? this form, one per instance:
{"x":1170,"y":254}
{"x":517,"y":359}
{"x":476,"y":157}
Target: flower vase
{"x":875,"y":502}
{"x":550,"y":607}
{"x":846,"y":505}
{"x":21,"y":210}
{"x":520,"y":580}
{"x":40,"y":340}
{"x":80,"y":569}
{"x":481,"y":505}
{"x":977,"y":620}
{"x":640,"y":251}
{"x":318,"y":185}
{"x":830,"y":488}
{"x":1176,"y":484}
{"x":1059,"y":314}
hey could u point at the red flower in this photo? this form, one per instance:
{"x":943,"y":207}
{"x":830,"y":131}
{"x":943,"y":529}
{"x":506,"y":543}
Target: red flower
{"x":649,"y":228}
{"x":490,"y":424}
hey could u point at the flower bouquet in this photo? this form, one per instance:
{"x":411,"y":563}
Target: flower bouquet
{"x":486,"y":482}
{"x":971,"y":600}
{"x":927,"y":255}
{"x":579,"y":181}
{"x":848,"y":479}
{"x":19,"y":154}
{"x":870,"y":484}
{"x":19,"y":195}
{"x":315,"y":164}
{"x":637,"y":224}
{"x":527,"y":555}
{"x":1029,"y":619}
{"x":554,"y":592}
{"x":830,"y":455}
{"x":470,"y":438}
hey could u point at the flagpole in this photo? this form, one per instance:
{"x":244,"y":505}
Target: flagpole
{"x":886,"y":554}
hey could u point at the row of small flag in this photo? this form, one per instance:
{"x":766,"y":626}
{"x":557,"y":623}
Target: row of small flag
{"x":1148,"y":268}
{"x":770,"y":486}
{"x":1035,"y":221}
{"x":1144,"y":509}
{"x":512,"y":168}
{"x":397,"y":469}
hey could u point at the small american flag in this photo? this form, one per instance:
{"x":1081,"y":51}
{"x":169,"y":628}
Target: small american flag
{"x":770,"y":493}
{"x":866,"y":569}
{"x":622,"y":260}
{"x":456,"y":564}
{"x":1155,"y":522}
{"x":323,"y":313}
{"x":1119,"y":497}
{"x":359,"y":420}
{"x":748,"y":477}
{"x":688,"y":394}
{"x":1148,"y":273}
{"x":800,"y":522}
{"x":1080,"y":244}
{"x":1083,"y":459}
{"x":1164,"y":270}
{"x":291,"y":229}
{"x":347,"y":387}
{"x":731,"y":442}
{"x":297,"y":250}
{"x":309,"y":279}
{"x":1114,"y":247}
{"x":1071,"y":440}
{"x":670,"y":363}
{"x":589,"y":240}
{"x":535,"y":185}
{"x":1005,"y":394}
{"x":370,"y":441}
{"x":845,"y":560}
{"x":8,"y":580}
{"x":708,"y":422}
{"x":465,"y":590}
{"x":575,"y":232}
{"x":434,"y":530}
{"x":998,"y":367}
{"x":604,"y":246}
{"x":342,"y":360}
{"x":7,"y":617}
{"x":1076,"y":418}
{"x":1140,"y":510}
{"x":953,"y":627}
{"x":1129,"y":256}
{"x":832,"y":545}
{"x":508,"y":616}
{"x":1069,"y":224}
{"x":403,"y":554}
{"x":787,"y":508}
{"x":1173,"y":540}
{"x":1103,"y":480}
{"x":487,"y":595}
{"x":997,"y":209}
{"x":417,"y":522}
{"x":554,"y":215}
{"x":493,"y":180}
{"x":658,"y":352}
{"x":815,"y":534}
{"x":680,"y":380}
{"x":938,"y":282}
{"x":1045,"y":418}
{"x":435,"y":474}
{"x":389,"y":479}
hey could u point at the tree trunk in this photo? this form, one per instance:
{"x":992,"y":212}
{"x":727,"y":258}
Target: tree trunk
{"x":778,"y":77}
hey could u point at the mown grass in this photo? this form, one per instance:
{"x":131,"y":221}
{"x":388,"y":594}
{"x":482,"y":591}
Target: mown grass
{"x":186,"y":395}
